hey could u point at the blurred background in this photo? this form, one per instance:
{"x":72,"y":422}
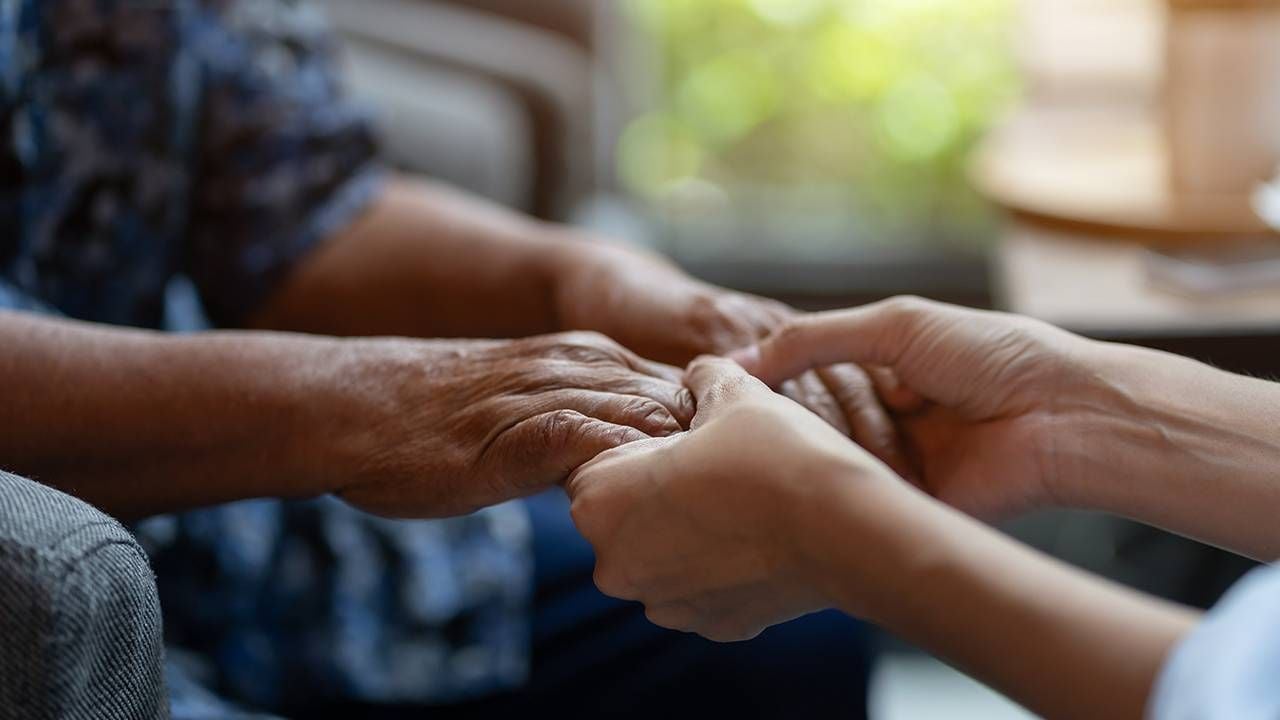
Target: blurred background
{"x":1101,"y":164}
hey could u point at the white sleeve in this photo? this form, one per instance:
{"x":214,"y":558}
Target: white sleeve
{"x":1229,"y":667}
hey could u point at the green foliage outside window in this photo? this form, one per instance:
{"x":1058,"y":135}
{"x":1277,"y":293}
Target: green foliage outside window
{"x":870,"y":105}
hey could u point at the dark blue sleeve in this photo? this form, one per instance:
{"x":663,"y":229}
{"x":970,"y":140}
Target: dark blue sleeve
{"x":285,"y":160}
{"x":11,"y":298}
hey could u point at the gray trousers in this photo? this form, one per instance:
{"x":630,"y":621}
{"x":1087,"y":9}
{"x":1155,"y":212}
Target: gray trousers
{"x":80,"y":628}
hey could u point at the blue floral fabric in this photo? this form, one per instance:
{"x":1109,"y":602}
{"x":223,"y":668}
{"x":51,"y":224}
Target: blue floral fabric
{"x":146,"y":141}
{"x":142,"y":138}
{"x":291,"y":605}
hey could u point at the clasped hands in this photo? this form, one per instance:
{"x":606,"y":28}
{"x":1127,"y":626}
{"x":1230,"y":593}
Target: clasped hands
{"x":707,"y":495}
{"x":727,"y":529}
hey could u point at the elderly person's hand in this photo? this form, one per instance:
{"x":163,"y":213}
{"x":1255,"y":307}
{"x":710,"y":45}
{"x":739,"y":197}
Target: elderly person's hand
{"x":708,"y":528}
{"x":652,"y":307}
{"x":439,"y":428}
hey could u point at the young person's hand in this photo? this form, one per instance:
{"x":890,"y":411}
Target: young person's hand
{"x":1003,"y":414}
{"x":985,"y":401}
{"x":707,"y":527}
{"x":762,"y":513}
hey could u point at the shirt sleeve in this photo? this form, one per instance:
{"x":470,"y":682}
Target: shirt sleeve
{"x":1229,"y":667}
{"x":12,"y":298}
{"x":284,"y":159}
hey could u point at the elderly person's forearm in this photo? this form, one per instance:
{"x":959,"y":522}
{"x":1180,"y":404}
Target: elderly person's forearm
{"x":141,"y":423}
{"x":426,"y":260}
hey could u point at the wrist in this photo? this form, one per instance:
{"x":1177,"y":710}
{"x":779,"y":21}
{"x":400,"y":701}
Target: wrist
{"x":362,"y":400}
{"x":1099,"y":419}
{"x":341,"y":401}
{"x":1116,"y":439}
{"x":859,"y":528}
{"x":1165,"y":435}
{"x":319,"y":435}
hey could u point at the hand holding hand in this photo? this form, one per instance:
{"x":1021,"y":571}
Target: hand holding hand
{"x":983,"y":400}
{"x":708,"y":528}
{"x":652,"y":307}
{"x":447,"y":427}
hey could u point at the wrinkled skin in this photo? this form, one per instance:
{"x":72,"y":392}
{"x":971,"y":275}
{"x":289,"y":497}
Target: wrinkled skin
{"x":448,"y":427}
{"x":650,"y":306}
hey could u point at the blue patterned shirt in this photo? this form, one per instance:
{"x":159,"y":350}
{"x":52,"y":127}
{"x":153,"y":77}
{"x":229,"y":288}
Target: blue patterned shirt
{"x":145,"y":141}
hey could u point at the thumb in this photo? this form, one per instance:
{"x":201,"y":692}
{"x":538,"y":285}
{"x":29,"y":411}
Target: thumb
{"x":876,"y":334}
{"x":717,"y":383}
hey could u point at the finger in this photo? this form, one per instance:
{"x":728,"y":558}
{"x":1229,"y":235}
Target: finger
{"x":779,"y":313}
{"x":825,"y":404}
{"x":653,"y":369}
{"x":876,"y":334}
{"x":763,"y":319}
{"x":895,"y":396}
{"x":670,"y":373}
{"x":615,"y":380}
{"x":541,"y":451}
{"x":641,"y":412}
{"x":587,"y":348}
{"x":716,"y":383}
{"x":870,"y":424}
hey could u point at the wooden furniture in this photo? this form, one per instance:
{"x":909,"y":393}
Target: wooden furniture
{"x":1151,"y":119}
{"x":1098,"y":287}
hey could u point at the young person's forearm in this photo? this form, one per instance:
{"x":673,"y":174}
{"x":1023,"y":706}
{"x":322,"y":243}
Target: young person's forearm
{"x":1177,"y":444}
{"x":140,"y":422}
{"x":427,"y":261}
{"x":1062,"y":643}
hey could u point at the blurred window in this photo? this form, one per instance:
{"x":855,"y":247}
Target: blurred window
{"x":814,"y":130}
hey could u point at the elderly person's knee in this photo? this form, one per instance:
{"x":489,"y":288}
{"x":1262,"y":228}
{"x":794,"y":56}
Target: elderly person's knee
{"x":79,"y":612}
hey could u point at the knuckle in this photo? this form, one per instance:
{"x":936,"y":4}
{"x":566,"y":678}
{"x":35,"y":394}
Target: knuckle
{"x":588,"y":338}
{"x":792,"y":331}
{"x":646,"y":412}
{"x":703,"y":314}
{"x":612,"y":581}
{"x":906,"y":305}
{"x":559,"y":427}
{"x":585,"y":347}
{"x":667,"y":617}
{"x":687,"y":404}
{"x":585,"y":511}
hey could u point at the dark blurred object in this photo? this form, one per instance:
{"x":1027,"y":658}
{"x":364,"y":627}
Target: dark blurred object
{"x":495,"y":96}
{"x":1100,"y":287}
